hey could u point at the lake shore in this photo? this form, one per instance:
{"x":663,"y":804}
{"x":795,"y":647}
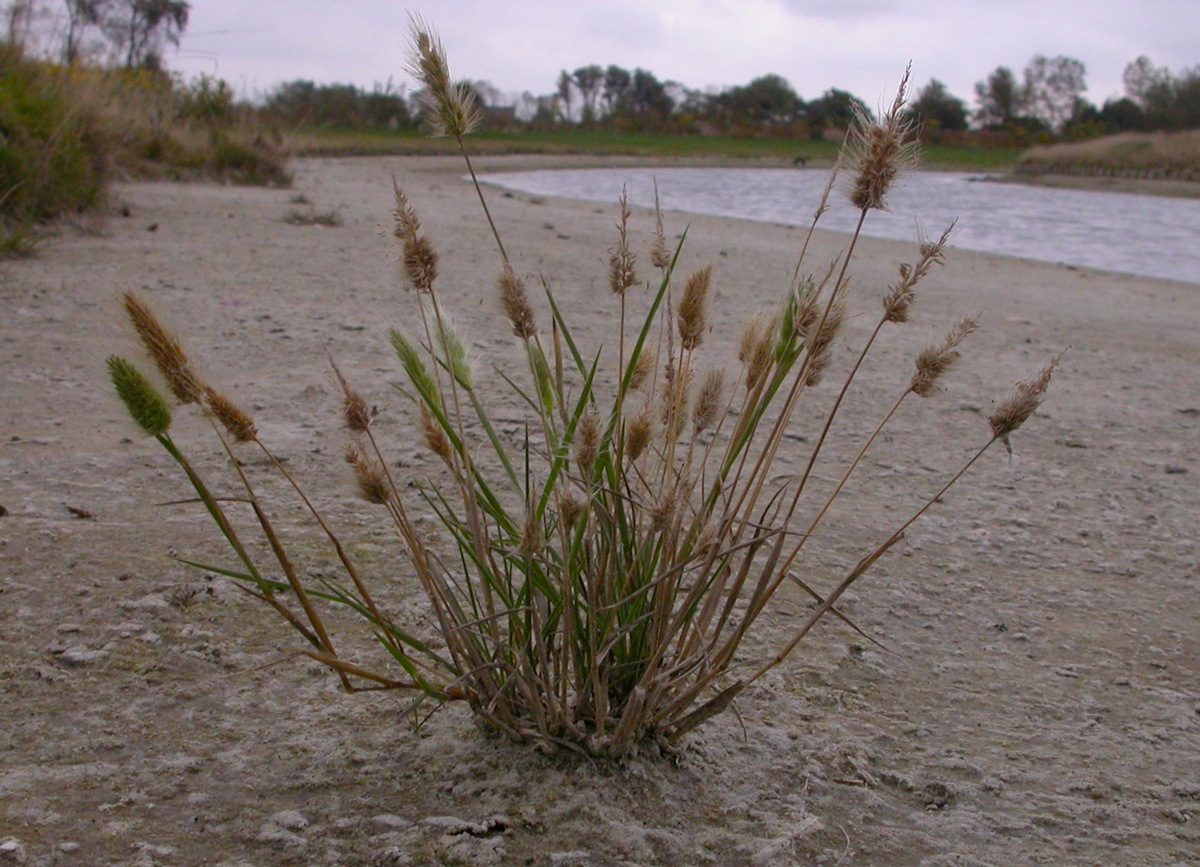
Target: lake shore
{"x":1035,"y":701}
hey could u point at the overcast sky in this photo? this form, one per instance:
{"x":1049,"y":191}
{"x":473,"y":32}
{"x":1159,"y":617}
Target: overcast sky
{"x":520,"y":45}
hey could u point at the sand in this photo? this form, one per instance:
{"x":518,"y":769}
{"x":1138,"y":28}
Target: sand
{"x":1038,"y":701}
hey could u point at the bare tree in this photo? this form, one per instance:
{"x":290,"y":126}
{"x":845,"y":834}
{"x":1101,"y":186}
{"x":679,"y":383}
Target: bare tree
{"x":138,"y":29}
{"x":81,"y":14}
{"x":1053,"y":88}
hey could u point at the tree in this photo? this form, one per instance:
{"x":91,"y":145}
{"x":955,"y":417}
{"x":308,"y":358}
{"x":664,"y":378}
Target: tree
{"x":767,"y":102}
{"x":938,"y":110}
{"x":589,"y":80}
{"x":647,"y":99}
{"x":1145,"y":83}
{"x":138,"y":28}
{"x":81,"y":14}
{"x":1122,"y":115}
{"x":617,"y":82}
{"x":1001,"y":101}
{"x":565,"y":82}
{"x":1053,"y":89}
{"x":834,"y":109}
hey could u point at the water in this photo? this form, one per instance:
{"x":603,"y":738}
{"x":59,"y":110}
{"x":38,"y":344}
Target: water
{"x":1152,"y":236}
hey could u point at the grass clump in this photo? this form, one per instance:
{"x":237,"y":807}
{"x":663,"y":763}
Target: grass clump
{"x":312,"y":217}
{"x":595,"y":579}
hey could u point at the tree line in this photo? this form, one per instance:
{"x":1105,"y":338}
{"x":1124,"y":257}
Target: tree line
{"x":1045,"y":102}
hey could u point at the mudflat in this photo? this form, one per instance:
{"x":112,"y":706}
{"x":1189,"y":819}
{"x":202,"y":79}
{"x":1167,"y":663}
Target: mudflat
{"x":1036,"y":700}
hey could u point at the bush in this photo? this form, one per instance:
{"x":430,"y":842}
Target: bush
{"x":52,"y":148}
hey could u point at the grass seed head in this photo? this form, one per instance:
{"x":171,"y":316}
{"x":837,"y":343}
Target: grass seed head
{"x":756,"y":348}
{"x":639,"y":431}
{"x":372,"y":483}
{"x":708,"y":400}
{"x":435,"y":437}
{"x":587,"y":443}
{"x":642,"y":368}
{"x":1022,"y":404}
{"x":414,"y":368}
{"x":692,"y":308}
{"x":451,"y":108}
{"x":660,"y":256}
{"x":933,"y":361}
{"x":454,"y":353}
{"x":145,"y":405}
{"x":821,"y":348}
{"x":237,"y":423}
{"x":515,"y":301}
{"x":417,"y":256}
{"x":570,"y":510}
{"x":164,"y":350}
{"x":622,"y":262}
{"x":877,"y":152}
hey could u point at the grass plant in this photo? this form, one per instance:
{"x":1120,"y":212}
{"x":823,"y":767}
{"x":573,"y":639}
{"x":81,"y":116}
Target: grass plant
{"x":596,"y":579}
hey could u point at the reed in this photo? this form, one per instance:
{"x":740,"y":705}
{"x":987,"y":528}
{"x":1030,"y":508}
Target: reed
{"x":595,"y":580}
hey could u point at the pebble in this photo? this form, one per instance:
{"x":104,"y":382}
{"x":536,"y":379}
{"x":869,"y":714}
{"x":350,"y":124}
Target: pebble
{"x":292,"y":820}
{"x":12,"y":851}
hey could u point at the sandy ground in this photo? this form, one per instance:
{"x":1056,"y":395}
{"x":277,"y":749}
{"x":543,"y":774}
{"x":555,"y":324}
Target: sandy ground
{"x":1038,"y":702}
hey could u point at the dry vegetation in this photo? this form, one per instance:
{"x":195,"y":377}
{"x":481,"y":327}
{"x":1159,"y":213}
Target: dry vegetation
{"x":70,"y":130}
{"x":1155,"y":156}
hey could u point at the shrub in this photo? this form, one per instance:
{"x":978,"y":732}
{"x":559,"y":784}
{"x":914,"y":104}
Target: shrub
{"x":52,"y":149}
{"x":597,"y":575}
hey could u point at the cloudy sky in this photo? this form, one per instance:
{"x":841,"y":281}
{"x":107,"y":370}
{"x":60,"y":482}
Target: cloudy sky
{"x":857,"y":45}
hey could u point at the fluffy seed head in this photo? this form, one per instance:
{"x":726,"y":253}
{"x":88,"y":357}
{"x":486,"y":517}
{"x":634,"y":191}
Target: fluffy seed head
{"x":642,"y":369}
{"x":639,"y":430}
{"x":587,"y":443}
{"x":622,"y":263}
{"x":417,"y":256}
{"x":660,"y":256}
{"x":692,"y":308}
{"x":515,"y":301}
{"x":821,"y":343}
{"x":879,"y":151}
{"x":435,"y":437}
{"x":355,"y":414}
{"x":414,"y":367}
{"x":1022,"y":404}
{"x":237,"y":424}
{"x":570,"y":510}
{"x":900,"y":296}
{"x":454,"y":353}
{"x":164,"y":350}
{"x":145,"y":405}
{"x":451,"y":109}
{"x":708,"y":400}
{"x":532,"y":539}
{"x":677,"y":383}
{"x":372,"y":483}
{"x":933,"y":361}
{"x":755,"y":350}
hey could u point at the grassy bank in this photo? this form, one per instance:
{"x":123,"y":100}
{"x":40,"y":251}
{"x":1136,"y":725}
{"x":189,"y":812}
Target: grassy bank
{"x":67,"y":131}
{"x":608,"y":143}
{"x":1142,"y":156}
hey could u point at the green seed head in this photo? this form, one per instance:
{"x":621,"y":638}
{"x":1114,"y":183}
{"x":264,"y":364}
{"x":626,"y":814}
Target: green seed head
{"x":146,"y":406}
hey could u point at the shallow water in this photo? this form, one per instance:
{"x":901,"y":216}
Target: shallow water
{"x":1152,"y":236}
